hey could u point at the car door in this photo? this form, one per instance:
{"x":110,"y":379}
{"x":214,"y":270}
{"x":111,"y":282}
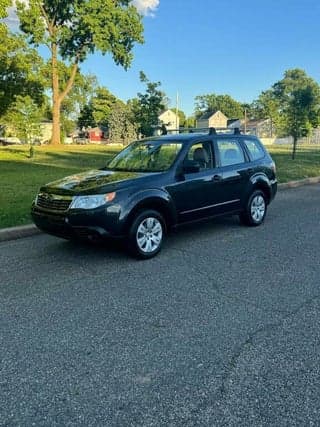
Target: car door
{"x":232,"y":170}
{"x":196,"y":193}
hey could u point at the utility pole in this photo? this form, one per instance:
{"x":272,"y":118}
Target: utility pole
{"x":177,"y":108}
{"x":245,"y":121}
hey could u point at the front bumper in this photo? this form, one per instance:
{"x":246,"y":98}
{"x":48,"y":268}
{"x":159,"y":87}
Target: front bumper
{"x":274,"y":189}
{"x":85,"y":224}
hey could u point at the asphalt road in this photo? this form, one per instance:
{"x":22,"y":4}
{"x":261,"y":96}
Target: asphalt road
{"x":221,"y":329}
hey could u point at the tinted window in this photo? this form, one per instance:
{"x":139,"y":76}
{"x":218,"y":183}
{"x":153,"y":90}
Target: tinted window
{"x":256,"y":152}
{"x":230,"y":152}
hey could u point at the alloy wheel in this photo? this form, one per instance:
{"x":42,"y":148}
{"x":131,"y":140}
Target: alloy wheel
{"x":258,"y":208}
{"x":149,"y":235}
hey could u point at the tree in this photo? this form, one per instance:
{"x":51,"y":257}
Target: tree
{"x":121,"y":127}
{"x":19,"y":70}
{"x":190,"y":122}
{"x":212,"y":102}
{"x":299,"y":100}
{"x":148,"y":106}
{"x":24,"y":116}
{"x":182,"y":117}
{"x":73,"y":29}
{"x":268,"y":105}
{"x":102,"y":104}
{"x":4,"y":4}
{"x":86,"y":119}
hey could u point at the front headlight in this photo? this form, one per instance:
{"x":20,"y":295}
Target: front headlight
{"x":91,"y":202}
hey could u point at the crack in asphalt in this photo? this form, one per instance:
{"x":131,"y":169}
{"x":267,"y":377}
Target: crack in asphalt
{"x":249,"y":341}
{"x":228,"y":296}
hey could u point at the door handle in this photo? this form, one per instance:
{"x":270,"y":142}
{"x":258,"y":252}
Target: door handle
{"x":216,"y":178}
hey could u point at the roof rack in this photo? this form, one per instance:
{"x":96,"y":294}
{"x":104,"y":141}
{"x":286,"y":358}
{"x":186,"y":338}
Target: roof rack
{"x":210,"y":130}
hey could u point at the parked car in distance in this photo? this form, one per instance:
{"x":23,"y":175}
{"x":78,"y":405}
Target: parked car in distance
{"x":158,"y":183}
{"x":5,"y":141}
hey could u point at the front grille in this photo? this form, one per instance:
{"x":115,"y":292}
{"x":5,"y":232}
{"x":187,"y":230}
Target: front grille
{"x":53,"y":202}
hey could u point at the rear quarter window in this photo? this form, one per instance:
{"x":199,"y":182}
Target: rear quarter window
{"x":255,"y":150}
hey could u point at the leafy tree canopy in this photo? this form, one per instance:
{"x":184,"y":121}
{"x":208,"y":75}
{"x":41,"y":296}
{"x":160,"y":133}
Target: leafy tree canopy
{"x":213,"y":102}
{"x":24,"y":116}
{"x":4,"y":4}
{"x":148,"y":106}
{"x":19,"y":70}
{"x":73,"y":29}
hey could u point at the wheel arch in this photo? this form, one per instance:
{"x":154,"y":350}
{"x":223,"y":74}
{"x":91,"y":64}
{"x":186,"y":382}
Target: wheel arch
{"x":261,"y":182}
{"x":155,"y":202}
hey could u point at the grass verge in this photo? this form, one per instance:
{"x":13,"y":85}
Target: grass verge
{"x":21,"y":177}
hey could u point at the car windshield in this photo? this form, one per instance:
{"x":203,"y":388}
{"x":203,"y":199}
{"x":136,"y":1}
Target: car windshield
{"x":146,"y":156}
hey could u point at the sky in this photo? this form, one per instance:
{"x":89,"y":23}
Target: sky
{"x":230,"y":47}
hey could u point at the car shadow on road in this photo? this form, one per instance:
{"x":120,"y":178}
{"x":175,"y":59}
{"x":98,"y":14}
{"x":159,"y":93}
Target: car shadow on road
{"x":116,"y":250}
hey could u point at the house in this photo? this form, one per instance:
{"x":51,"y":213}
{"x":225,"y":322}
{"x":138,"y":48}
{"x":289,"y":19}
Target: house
{"x":215,"y":119}
{"x":169,"y":119}
{"x":97,"y":135}
{"x":262,"y":128}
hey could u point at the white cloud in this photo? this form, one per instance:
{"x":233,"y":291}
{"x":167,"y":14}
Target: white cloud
{"x":146,"y":7}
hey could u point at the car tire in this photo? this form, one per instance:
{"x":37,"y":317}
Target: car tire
{"x":256,"y":209}
{"x":146,"y":234}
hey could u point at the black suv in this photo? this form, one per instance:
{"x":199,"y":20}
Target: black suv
{"x":158,"y":183}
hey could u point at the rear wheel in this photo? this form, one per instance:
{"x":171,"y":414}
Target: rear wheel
{"x":256,"y":209}
{"x":146,"y":234}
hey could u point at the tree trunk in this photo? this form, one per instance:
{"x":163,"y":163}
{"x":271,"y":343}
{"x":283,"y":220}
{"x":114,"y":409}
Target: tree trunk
{"x":55,"y":140}
{"x":294,"y":148}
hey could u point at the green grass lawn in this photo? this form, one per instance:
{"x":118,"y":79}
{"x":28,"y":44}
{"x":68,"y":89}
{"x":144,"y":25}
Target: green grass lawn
{"x":21,"y":177}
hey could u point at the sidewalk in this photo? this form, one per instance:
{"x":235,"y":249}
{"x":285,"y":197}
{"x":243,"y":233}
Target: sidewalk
{"x":14,"y":233}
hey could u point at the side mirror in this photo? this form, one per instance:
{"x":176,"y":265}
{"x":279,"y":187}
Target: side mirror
{"x":190,"y":166}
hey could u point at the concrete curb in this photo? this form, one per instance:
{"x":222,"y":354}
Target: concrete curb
{"x":15,"y":233}
{"x":299,"y":183}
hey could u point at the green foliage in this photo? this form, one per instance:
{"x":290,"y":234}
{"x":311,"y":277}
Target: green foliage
{"x":147,"y":107}
{"x":121,"y":127}
{"x":293,"y":104}
{"x":4,"y":4}
{"x":25,"y":118}
{"x":86,"y":119}
{"x":73,"y":29}
{"x":80,"y":27}
{"x":182,"y":117}
{"x":102,"y":104}
{"x":19,"y":70}
{"x":190,"y":122}
{"x":213,"y":102}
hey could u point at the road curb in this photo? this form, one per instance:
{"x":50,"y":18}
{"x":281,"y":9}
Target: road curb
{"x":15,"y":233}
{"x":299,"y":183}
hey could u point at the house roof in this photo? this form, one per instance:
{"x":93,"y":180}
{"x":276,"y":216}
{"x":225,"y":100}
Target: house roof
{"x":207,"y":115}
{"x":230,"y":121}
{"x":97,"y":129}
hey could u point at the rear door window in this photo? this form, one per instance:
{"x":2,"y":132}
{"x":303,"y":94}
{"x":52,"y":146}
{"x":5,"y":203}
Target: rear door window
{"x":230,"y":152}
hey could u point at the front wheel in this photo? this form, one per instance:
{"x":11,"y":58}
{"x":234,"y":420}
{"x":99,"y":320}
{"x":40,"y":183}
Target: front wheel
{"x":256,"y":209}
{"x":146,"y":234}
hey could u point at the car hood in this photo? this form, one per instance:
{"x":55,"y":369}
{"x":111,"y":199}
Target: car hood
{"x":94,"y":182}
